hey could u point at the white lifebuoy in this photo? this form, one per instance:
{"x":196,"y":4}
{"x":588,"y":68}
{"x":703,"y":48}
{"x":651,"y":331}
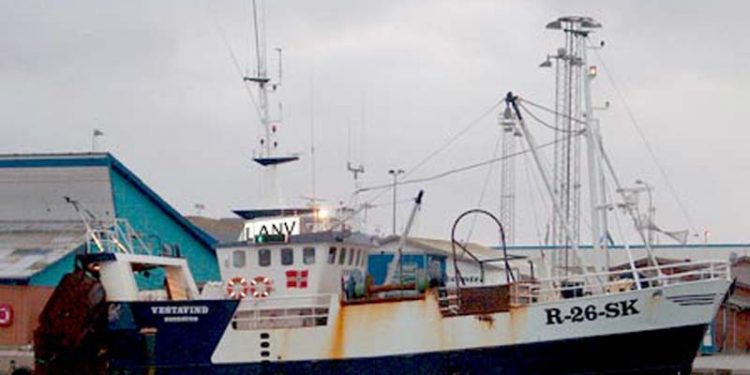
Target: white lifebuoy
{"x":238,"y":288}
{"x":261,"y":287}
{"x":6,"y":315}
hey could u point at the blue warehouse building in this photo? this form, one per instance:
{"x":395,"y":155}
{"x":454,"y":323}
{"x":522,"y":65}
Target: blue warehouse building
{"x":40,"y":232}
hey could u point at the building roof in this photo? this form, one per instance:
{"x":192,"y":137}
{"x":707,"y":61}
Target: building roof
{"x":443,"y":247}
{"x":741,"y":302}
{"x":692,"y":246}
{"x":327,"y":237}
{"x":78,"y":160}
{"x":741,"y":271}
{"x":38,"y":227}
{"x":224,"y":229}
{"x":28,"y":247}
{"x":272,"y":212}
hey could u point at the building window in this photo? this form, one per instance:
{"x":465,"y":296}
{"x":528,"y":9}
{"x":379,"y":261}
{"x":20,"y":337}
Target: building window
{"x":351,"y":257}
{"x":238,"y":258}
{"x":359,"y":254}
{"x":308,"y":255}
{"x":264,"y":257}
{"x":342,"y":256}
{"x":364,"y":258}
{"x":331,"y":255}
{"x":287,"y":256}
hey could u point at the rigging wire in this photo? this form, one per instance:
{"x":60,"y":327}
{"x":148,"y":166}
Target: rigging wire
{"x":529,"y":177}
{"x":466,"y":167}
{"x":552,"y":111}
{"x":454,"y":138}
{"x":535,"y":117}
{"x":460,"y":169}
{"x":646,"y":143}
{"x":313,"y":175}
{"x":259,"y":58}
{"x":237,"y":66}
{"x":616,"y":216}
{"x":383,"y":188}
{"x":398,"y":202}
{"x":490,"y":171}
{"x":424,"y":161}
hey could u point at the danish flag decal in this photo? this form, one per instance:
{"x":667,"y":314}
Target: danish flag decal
{"x":296,"y":278}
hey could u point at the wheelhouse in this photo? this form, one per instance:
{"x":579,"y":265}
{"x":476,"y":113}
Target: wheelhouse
{"x":306,"y":264}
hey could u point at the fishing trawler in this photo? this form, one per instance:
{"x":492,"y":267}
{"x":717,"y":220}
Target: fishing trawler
{"x":305,"y":306}
{"x":307,"y":303}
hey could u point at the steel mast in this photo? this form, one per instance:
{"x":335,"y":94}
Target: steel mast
{"x":268,"y":157}
{"x":511,"y":134}
{"x":574,"y":115}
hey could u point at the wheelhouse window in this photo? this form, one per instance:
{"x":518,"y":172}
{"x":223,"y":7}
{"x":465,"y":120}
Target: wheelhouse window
{"x":342,"y":256}
{"x":264,"y":257}
{"x":287,"y":256}
{"x":331,"y":255}
{"x":308,"y":255}
{"x":239,"y":259}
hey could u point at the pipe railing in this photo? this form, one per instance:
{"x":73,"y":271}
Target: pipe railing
{"x":542,"y":290}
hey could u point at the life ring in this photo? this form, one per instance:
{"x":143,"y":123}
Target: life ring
{"x":6,"y":315}
{"x":238,"y":288}
{"x":261,"y":287}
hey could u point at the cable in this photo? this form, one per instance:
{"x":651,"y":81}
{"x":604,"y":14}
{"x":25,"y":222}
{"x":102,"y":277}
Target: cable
{"x":237,"y":66}
{"x":546,"y":124}
{"x":421,"y":163}
{"x":399,"y":202}
{"x":454,"y":138}
{"x":529,"y":177}
{"x":382,"y":188}
{"x":261,"y":73}
{"x":464,"y":168}
{"x":552,"y":111}
{"x":646,"y":143}
{"x":490,"y":171}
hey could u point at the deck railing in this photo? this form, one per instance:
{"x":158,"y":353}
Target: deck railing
{"x":283,"y":312}
{"x":611,"y":282}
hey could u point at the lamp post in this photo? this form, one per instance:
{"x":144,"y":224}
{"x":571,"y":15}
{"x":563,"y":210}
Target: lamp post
{"x":651,"y":209}
{"x":395,"y":173}
{"x":95,"y":140}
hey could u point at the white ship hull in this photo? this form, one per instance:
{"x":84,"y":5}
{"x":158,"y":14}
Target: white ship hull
{"x":417,"y":326}
{"x":651,"y":330}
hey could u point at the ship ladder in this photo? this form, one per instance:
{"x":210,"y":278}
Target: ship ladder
{"x":448,"y":301}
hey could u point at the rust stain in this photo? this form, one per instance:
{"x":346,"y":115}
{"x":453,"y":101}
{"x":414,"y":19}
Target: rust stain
{"x":383,"y":300}
{"x":353,"y":325}
{"x":337,"y":339}
{"x":517,"y":322}
{"x":486,"y":318}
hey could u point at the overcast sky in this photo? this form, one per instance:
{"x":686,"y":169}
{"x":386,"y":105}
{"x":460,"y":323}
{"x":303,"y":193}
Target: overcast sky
{"x":401,"y":77}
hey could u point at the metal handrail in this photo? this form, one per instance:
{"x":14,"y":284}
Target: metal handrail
{"x":551,"y":288}
{"x":708,"y":263}
{"x":260,"y":318}
{"x":277,"y":302}
{"x":272,"y":312}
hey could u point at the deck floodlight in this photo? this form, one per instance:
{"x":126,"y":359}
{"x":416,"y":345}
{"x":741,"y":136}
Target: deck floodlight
{"x":593,"y":71}
{"x":554,"y":25}
{"x":590,"y":23}
{"x":546,"y":63}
